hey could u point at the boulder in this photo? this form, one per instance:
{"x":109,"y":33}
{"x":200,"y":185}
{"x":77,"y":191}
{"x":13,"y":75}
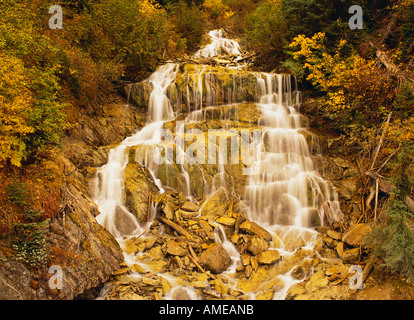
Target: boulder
{"x":175,"y":249}
{"x":189,"y":207}
{"x":268,"y":257}
{"x":350,"y":256}
{"x":226,"y":221}
{"x":139,"y":93}
{"x":215,"y":258}
{"x":123,"y":221}
{"x":255,"y":245}
{"x":255,"y":229}
{"x":317,"y":281}
{"x":356,"y":234}
{"x":137,"y":190}
{"x":217,"y":204}
{"x":334,"y":234}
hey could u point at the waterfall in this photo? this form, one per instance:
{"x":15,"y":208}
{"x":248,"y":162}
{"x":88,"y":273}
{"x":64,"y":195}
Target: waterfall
{"x":283,"y":190}
{"x":284,"y":187}
{"x":109,"y":185}
{"x":218,"y":45}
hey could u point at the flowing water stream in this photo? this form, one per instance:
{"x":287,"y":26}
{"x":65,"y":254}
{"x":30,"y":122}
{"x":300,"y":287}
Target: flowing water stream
{"x":283,"y":193}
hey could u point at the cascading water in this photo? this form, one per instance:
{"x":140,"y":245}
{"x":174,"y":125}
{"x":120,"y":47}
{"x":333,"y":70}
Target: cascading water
{"x":218,"y":45}
{"x":109,"y":184}
{"x":284,"y":187}
{"x":283,"y":192}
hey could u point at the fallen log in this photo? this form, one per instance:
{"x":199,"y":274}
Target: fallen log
{"x":385,"y":187}
{"x":176,"y":227}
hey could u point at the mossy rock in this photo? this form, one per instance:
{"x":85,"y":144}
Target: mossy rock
{"x":138,"y":189}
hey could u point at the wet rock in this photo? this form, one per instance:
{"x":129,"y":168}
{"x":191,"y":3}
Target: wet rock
{"x":137,"y":191}
{"x":295,"y":290}
{"x":124,"y":223}
{"x":220,"y":287}
{"x":139,"y":93}
{"x":317,"y":280}
{"x":138,"y":268}
{"x":265,"y":295}
{"x":217,"y":204}
{"x":226,"y":221}
{"x":245,"y":259}
{"x":253,"y":228}
{"x":298,"y":273}
{"x":187,"y":214}
{"x":340,"y":249}
{"x":328,"y":241}
{"x":189,"y":207}
{"x":165,"y":285}
{"x":254,"y":263}
{"x":215,"y":258}
{"x":351,"y":255}
{"x":175,"y":249}
{"x":255,"y":245}
{"x":205,"y":226}
{"x":356,"y":234}
{"x":268,"y":257}
{"x":334,"y":234}
{"x":248,"y":271}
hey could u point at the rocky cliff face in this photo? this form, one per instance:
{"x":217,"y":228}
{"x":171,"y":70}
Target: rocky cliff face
{"x":86,"y":253}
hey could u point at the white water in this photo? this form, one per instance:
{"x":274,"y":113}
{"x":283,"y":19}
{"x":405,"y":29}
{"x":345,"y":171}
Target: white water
{"x":109,"y":185}
{"x":218,"y":45}
{"x":283,"y":190}
{"x":284,"y":186}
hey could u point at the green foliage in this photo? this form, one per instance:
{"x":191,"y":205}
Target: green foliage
{"x":190,"y":22}
{"x":29,"y":238}
{"x":30,"y":242}
{"x":404,"y":101}
{"x":31,"y":113}
{"x":266,"y":28}
{"x":393,"y":238}
{"x":135,"y":34}
{"x":331,"y":17}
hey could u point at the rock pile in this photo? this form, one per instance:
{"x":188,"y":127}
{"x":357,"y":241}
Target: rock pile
{"x":183,"y":247}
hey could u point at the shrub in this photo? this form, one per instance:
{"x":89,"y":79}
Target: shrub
{"x":265,"y":31}
{"x":29,"y":238}
{"x":190,"y":22}
{"x":31,"y":113}
{"x":132,"y":33}
{"x":358,"y":94}
{"x":393,"y":238}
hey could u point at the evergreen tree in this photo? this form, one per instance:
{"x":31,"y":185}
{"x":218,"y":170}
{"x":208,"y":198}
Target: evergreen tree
{"x":393,"y":239}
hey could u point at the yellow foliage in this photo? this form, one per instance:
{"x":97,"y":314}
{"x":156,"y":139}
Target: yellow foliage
{"x":403,"y":4}
{"x":15,"y":99}
{"x":148,"y":7}
{"x":350,"y":82}
{"x":402,"y":130}
{"x":218,"y":9}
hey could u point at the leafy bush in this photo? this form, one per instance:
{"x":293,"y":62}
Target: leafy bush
{"x":265,"y":32}
{"x":190,"y":22}
{"x":218,"y":11}
{"x":357,"y":92}
{"x":132,"y":33}
{"x":29,"y":238}
{"x":31,"y":113}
